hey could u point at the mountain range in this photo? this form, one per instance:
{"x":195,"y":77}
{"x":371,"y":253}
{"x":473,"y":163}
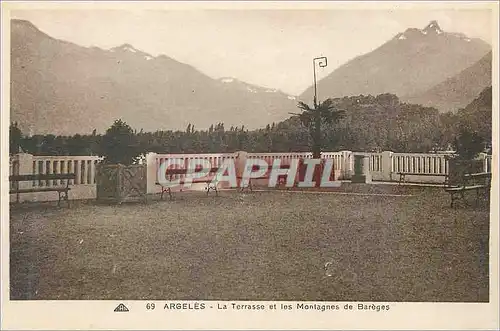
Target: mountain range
{"x":457,"y":92}
{"x":61,"y":88}
{"x":408,"y":65}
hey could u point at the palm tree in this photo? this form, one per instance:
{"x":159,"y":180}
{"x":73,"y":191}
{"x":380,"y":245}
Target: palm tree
{"x":313,"y":117}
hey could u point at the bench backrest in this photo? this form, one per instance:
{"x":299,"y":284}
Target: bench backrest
{"x":456,"y":177}
{"x":270,"y":167}
{"x":184,"y":171}
{"x":23,"y":178}
{"x":481,"y":178}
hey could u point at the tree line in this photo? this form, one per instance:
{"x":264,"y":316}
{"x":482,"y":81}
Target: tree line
{"x":369,"y":123}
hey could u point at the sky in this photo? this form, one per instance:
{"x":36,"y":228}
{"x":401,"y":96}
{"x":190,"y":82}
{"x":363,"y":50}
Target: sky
{"x":268,"y":47}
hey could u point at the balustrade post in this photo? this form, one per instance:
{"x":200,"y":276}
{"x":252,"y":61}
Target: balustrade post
{"x":64,"y":170}
{"x":78,"y":171}
{"x":25,"y":167}
{"x":86,"y":164}
{"x":347,"y":164}
{"x":92,"y":172}
{"x":43,"y":172}
{"x":483,"y":157}
{"x":387,"y":165}
{"x":151,"y":172}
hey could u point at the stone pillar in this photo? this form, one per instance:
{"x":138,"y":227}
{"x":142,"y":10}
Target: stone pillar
{"x":240,"y":161}
{"x":387,"y":165}
{"x":92,"y":172}
{"x":482,"y":157}
{"x":346,"y":167}
{"x":25,"y":163}
{"x":151,"y":172}
{"x":361,"y":169}
{"x":25,"y":166}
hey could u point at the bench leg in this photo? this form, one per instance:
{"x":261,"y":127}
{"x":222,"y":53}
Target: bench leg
{"x":211,"y":186}
{"x":455,"y":196}
{"x":17,"y":193}
{"x":170,"y":193}
{"x":482,"y":193}
{"x":248,"y":187}
{"x":66,"y":197}
{"x":63,"y":195}
{"x":167,"y":190}
{"x":487,"y":194}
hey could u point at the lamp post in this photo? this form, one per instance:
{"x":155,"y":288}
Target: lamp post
{"x":322,"y":62}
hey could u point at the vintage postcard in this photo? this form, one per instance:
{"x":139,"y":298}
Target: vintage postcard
{"x":249,"y":165}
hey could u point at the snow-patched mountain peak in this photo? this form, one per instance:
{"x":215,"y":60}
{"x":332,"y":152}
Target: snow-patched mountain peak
{"x":400,"y":36}
{"x":236,"y":83}
{"x":432,"y":27}
{"x":227,"y":79}
{"x":129,"y":49}
{"x":126,"y":48}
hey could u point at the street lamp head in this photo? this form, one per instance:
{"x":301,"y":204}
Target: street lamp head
{"x":322,"y":61}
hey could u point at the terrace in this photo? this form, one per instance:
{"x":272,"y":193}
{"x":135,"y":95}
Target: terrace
{"x":363,"y":243}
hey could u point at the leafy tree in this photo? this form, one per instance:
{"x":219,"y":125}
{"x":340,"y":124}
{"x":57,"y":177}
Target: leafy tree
{"x":15,"y":138}
{"x":469,"y":144}
{"x":373,"y":123}
{"x":120,"y":145}
{"x":477,"y":116}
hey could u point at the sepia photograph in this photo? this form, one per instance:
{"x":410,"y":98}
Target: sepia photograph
{"x":215,"y":157}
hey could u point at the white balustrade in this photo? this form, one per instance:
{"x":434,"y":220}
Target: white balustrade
{"x":82,"y":166}
{"x":382,"y":165}
{"x":420,"y":163}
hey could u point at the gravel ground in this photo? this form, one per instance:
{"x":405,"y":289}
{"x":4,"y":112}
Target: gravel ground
{"x":255,"y":246}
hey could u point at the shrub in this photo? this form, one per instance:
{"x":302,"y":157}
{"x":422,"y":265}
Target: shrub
{"x":469,"y":144}
{"x":120,"y":145}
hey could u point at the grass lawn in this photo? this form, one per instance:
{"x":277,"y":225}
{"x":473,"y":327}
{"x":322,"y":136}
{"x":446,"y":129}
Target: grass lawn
{"x":254,"y":246}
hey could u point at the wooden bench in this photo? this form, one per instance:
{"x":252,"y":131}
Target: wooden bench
{"x":267,"y":175}
{"x":210,"y":181}
{"x":61,"y":190}
{"x":402,"y":176}
{"x":457,"y":185}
